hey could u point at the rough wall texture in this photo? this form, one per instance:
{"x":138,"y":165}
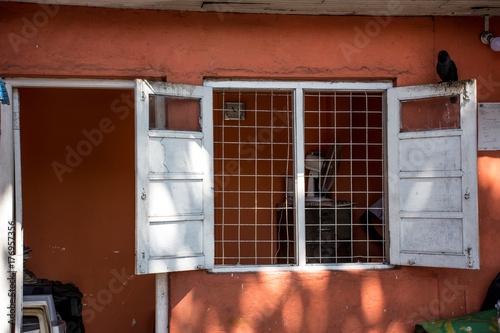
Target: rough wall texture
{"x":187,"y":47}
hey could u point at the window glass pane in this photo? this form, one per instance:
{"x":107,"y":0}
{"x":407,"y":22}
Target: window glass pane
{"x":430,"y":114}
{"x":180,"y":114}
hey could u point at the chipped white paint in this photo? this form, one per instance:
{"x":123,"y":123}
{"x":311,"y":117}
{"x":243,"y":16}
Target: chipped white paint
{"x":55,"y":247}
{"x":174,"y":192}
{"x":433,"y":217}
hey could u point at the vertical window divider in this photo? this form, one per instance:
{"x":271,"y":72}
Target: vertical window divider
{"x":300,"y":229}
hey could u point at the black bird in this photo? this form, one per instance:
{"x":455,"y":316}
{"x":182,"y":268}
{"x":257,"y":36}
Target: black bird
{"x":447,"y":70}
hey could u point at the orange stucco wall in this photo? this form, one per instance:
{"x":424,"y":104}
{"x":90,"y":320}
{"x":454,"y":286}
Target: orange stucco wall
{"x":187,"y":47}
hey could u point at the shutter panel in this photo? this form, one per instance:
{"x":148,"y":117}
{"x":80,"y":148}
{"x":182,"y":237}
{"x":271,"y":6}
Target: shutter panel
{"x":433,"y":218}
{"x":174,"y":178}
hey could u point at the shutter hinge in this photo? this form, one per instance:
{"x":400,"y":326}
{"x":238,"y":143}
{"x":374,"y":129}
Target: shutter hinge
{"x":143,"y":263}
{"x":468,"y":252}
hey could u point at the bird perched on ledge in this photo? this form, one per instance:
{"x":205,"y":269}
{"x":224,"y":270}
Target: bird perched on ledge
{"x":447,"y":70}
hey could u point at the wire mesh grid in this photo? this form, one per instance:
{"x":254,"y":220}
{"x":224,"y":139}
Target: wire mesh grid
{"x":254,"y":163}
{"x":253,"y":158}
{"x":344,"y":147}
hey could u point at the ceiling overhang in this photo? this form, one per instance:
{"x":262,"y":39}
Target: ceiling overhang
{"x":304,"y":7}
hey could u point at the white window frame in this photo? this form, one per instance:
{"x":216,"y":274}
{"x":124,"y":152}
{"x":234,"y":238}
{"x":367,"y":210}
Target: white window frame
{"x":466,"y":91}
{"x":298,"y":88}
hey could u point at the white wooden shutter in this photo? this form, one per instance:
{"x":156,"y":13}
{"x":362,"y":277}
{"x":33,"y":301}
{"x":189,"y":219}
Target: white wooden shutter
{"x":433,"y":217}
{"x":174,"y":185}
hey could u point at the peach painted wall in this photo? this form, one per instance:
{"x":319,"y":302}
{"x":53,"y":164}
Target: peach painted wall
{"x":187,"y":47}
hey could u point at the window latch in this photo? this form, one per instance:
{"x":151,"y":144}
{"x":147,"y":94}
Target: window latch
{"x":468,"y":252}
{"x":467,"y":194}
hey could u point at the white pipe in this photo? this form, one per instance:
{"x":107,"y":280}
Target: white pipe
{"x":161,"y":318}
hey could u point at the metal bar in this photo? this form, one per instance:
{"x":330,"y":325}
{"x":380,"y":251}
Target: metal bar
{"x":162,"y":304}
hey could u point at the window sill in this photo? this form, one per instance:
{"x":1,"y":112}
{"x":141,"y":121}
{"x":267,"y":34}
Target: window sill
{"x":296,"y":268}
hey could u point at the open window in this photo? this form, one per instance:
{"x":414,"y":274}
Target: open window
{"x":295,"y":173}
{"x":174,"y":191}
{"x":283,"y":174}
{"x":432,"y":163}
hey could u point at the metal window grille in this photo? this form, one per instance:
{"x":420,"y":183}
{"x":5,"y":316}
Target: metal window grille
{"x":253,"y":158}
{"x":254,"y":175}
{"x":344,"y":147}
